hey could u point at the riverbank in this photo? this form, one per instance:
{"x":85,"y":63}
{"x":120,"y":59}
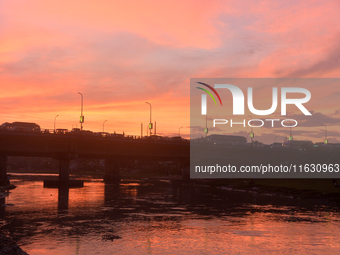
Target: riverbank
{"x":301,"y":188}
{"x":315,"y":189}
{"x":9,"y":247}
{"x":319,"y":189}
{"x":7,"y":187}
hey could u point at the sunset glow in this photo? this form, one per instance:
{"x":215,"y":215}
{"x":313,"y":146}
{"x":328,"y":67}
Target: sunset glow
{"x":120,"y":55}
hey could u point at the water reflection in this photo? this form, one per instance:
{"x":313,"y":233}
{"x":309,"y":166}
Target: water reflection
{"x":2,"y":205}
{"x":164,"y":217}
{"x":63,"y":194}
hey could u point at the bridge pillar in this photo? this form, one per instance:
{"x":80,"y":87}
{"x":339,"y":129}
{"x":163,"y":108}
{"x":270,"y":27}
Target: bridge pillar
{"x":3,"y":171}
{"x":112,"y":171}
{"x":64,"y":175}
{"x":186,"y":173}
{"x":184,"y":166}
{"x":64,"y":169}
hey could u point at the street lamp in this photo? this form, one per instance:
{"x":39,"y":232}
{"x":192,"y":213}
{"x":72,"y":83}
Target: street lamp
{"x":290,"y":132}
{"x":206,"y":125}
{"x":81,"y":120}
{"x":103,"y":125}
{"x":326,"y":140}
{"x":150,"y":124}
{"x":251,"y":131}
{"x":179,"y":130}
{"x":54,"y":122}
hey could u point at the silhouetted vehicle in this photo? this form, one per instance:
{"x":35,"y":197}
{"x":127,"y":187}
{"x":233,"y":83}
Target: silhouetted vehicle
{"x":86,"y":132}
{"x":176,"y":138}
{"x":75,"y":131}
{"x":102,"y":134}
{"x":117,"y":135}
{"x":156,"y":137}
{"x":276,"y":145}
{"x":227,"y":139}
{"x":300,"y":145}
{"x":61,"y":131}
{"x":21,"y":127}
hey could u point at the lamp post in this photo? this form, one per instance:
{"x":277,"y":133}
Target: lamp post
{"x":326,"y":140}
{"x":290,"y":131}
{"x":81,"y":120}
{"x":54,"y":123}
{"x":179,"y":130}
{"x":251,"y":131}
{"x":150,"y":124}
{"x":206,"y":125}
{"x":103,"y":125}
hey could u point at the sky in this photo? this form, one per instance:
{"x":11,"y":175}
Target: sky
{"x":121,"y":54}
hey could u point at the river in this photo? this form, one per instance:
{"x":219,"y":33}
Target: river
{"x":163,"y":218}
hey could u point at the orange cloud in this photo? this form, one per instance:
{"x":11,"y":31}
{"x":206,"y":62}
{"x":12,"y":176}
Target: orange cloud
{"x":120,"y":54}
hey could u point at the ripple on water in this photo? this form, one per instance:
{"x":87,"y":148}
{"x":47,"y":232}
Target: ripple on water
{"x":165,"y":219}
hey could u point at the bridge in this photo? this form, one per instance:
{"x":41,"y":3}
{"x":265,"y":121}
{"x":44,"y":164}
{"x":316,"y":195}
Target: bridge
{"x":65,"y":147}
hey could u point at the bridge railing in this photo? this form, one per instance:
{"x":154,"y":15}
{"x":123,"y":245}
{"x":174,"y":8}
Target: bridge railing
{"x":88,"y":133}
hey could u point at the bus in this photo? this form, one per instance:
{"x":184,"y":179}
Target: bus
{"x":20,"y":127}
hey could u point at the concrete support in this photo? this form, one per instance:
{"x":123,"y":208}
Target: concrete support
{"x":3,"y":171}
{"x":2,"y":207}
{"x":186,"y":173}
{"x":112,"y":171}
{"x":111,"y":195}
{"x":64,"y":175}
{"x":64,"y":169}
{"x":184,"y":166}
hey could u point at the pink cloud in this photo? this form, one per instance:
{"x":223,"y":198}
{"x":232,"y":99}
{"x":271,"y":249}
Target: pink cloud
{"x":121,"y":54}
